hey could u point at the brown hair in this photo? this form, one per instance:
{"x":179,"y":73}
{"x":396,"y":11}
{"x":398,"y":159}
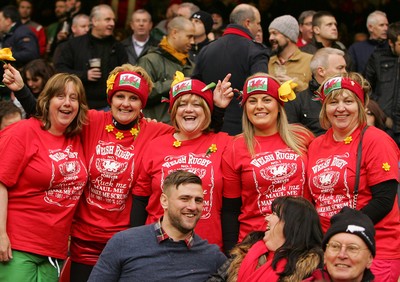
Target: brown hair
{"x":55,"y":86}
{"x":178,"y":177}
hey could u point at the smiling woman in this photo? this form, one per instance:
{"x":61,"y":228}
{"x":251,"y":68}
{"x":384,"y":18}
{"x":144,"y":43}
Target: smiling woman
{"x":356,"y":166}
{"x":193,"y":147}
{"x":46,"y":158}
{"x":289,"y":251}
{"x":267,"y":161}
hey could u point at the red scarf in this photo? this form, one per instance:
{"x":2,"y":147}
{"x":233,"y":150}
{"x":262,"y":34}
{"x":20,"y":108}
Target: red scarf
{"x":232,"y":30}
{"x":248,"y":271}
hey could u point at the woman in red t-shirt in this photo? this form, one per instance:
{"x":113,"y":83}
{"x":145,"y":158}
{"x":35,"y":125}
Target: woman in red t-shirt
{"x":267,"y":161}
{"x":192,"y":147}
{"x":332,"y":168}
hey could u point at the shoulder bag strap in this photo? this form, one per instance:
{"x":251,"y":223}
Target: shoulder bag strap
{"x":358,"y":166}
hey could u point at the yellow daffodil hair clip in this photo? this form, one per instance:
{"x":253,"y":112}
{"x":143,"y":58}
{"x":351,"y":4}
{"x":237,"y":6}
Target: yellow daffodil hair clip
{"x":286,"y":92}
{"x":110,"y":81}
{"x":178,"y":77}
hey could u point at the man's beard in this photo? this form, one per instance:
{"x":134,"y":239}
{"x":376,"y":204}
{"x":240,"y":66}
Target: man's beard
{"x":278,"y":49}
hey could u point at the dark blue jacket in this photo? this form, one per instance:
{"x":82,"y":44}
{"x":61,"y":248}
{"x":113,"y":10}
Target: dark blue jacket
{"x":23,"y":42}
{"x":233,"y":54}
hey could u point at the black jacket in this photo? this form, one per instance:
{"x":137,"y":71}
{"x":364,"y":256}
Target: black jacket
{"x":23,"y":42}
{"x":233,"y":54}
{"x":305,"y":109}
{"x":130,"y":49}
{"x":314,"y":45}
{"x":383,"y":72}
{"x":75,"y":56}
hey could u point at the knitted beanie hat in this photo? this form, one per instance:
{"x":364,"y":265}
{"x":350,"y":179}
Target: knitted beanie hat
{"x":128,"y":81}
{"x":191,"y":86}
{"x":287,"y":25}
{"x":353,"y":222}
{"x":205,"y":18}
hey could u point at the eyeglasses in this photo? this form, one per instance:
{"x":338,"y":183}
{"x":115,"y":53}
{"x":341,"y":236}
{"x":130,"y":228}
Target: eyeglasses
{"x":352,"y":250}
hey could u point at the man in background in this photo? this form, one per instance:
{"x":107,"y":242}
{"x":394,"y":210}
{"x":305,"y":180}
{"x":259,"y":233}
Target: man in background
{"x":141,"y":40}
{"x":325,"y":33}
{"x":25,"y":9}
{"x":288,"y":62}
{"x":306,"y":107}
{"x":99,"y":44}
{"x":161,"y":64}
{"x":236,"y":52}
{"x":359,"y":52}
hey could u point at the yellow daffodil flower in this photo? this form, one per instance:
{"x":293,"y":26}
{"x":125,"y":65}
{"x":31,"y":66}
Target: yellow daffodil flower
{"x":6,"y":55}
{"x":178,"y":77}
{"x":212,"y":149}
{"x":109,"y":128}
{"x":348,"y":140}
{"x":134,"y":132}
{"x":286,"y":92}
{"x":119,"y":135}
{"x":386,"y":166}
{"x":110,"y":81}
{"x":177,"y":143}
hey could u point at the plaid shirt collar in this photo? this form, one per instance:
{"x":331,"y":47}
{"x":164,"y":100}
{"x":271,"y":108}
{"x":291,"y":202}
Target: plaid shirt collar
{"x":162,"y":235}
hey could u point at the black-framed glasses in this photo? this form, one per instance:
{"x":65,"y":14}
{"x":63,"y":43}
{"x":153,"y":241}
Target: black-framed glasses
{"x":351,"y":250}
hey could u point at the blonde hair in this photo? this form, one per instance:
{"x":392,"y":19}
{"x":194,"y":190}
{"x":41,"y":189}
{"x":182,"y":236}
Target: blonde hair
{"x":295,"y":136}
{"x":203,"y":104}
{"x":362,"y":117}
{"x":55,"y":86}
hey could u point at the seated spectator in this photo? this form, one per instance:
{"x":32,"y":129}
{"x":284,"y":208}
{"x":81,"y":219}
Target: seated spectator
{"x":354,"y":231}
{"x":168,"y":250}
{"x":9,"y":113}
{"x":289,"y":250}
{"x":36,"y":74}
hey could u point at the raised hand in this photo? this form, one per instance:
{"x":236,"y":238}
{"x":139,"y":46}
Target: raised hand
{"x":223,"y":92}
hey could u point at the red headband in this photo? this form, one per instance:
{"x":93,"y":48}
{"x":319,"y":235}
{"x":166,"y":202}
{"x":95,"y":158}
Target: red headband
{"x":336,"y":83}
{"x":128,"y":81}
{"x":261,"y":85}
{"x":191,"y":86}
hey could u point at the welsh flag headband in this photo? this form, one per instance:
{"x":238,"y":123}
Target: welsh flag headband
{"x":337,"y":83}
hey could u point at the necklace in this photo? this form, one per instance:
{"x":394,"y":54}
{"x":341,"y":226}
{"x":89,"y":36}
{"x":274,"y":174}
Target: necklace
{"x":134,"y":130}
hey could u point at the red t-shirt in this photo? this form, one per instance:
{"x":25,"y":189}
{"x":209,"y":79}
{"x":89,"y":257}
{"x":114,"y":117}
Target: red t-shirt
{"x":113,"y":167}
{"x":45,"y":176}
{"x":161,"y":158}
{"x":274,"y":171}
{"x":331,"y":178}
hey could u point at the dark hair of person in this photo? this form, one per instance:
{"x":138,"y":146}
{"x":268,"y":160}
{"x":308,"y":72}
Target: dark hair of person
{"x":38,"y":68}
{"x":380,"y":116}
{"x":393,"y":32}
{"x":302,"y":231}
{"x":10,"y":12}
{"x":316,"y":21}
{"x":8,"y":108}
{"x":56,"y":86}
{"x":179,"y":177}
